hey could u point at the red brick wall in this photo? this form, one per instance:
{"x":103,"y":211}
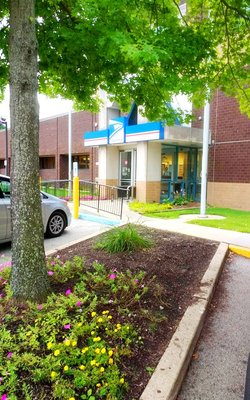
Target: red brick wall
{"x":53,"y":142}
{"x":229,"y":159}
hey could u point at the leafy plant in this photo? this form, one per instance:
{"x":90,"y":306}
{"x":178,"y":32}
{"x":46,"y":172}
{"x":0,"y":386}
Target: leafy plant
{"x":71,"y":346}
{"x":123,"y":239}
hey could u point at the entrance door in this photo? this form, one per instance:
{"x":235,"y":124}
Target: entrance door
{"x":127,"y":168}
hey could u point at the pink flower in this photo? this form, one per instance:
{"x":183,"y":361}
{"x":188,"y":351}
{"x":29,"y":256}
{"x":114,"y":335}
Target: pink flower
{"x":112,"y":276}
{"x":53,"y":263}
{"x":40,"y":307}
{"x":50,"y":273}
{"x":9,"y":355}
{"x":4,"y":397}
{"x":67,"y":326}
{"x":78,"y":304}
{"x":68,"y":292}
{"x":58,"y":256}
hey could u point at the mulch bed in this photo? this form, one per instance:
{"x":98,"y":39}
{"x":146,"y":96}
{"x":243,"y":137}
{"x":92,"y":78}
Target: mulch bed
{"x":177,"y":263}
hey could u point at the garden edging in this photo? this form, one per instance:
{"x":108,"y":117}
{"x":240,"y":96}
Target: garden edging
{"x":168,"y":376}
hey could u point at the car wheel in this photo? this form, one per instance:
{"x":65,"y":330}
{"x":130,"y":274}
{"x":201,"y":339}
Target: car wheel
{"x":56,"y":224}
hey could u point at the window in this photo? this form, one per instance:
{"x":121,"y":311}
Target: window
{"x":47,"y":162}
{"x":83,"y":161}
{"x":2,"y":166}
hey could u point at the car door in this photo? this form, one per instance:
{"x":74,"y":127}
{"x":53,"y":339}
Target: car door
{"x":4,"y":223}
{"x":5,"y":218}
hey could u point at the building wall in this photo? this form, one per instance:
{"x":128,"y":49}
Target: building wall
{"x":53,"y":142}
{"x":229,"y":161}
{"x":229,"y":195}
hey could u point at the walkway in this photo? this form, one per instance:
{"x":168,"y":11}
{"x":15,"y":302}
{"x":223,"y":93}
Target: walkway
{"x":180,"y":226}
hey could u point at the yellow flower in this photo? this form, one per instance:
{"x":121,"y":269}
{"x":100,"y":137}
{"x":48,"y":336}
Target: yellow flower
{"x":56,"y":352}
{"x":66,"y":368}
{"x":49,"y":345}
{"x":115,"y":330}
{"x":103,"y":351}
{"x":97,"y":339}
{"x":102,"y":369}
{"x":100,"y":320}
{"x":97,"y":350}
{"x":82,"y":367}
{"x":53,"y":374}
{"x":79,"y":324}
{"x":93,"y":362}
{"x":110,"y":353}
{"x":105,"y":312}
{"x":93,"y":314}
{"x":122,"y":380}
{"x":118,"y":326}
{"x":74,"y":343}
{"x":110,"y":317}
{"x":84,"y":350}
{"x":111,"y":361}
{"x":98,"y":385}
{"x":71,"y":398}
{"x":92,"y":333}
{"x":67,"y":342}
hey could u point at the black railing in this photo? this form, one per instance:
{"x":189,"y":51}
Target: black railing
{"x":103,"y":197}
{"x":62,"y":189}
{"x":91,"y":194}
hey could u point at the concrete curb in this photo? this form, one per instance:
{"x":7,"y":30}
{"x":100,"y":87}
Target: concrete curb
{"x":242,"y":251}
{"x":167,"y":379}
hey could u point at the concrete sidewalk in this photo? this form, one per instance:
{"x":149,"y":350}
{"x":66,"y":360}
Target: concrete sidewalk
{"x":180,"y":225}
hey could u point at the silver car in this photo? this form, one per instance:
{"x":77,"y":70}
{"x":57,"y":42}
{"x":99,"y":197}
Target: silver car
{"x":55,"y":212}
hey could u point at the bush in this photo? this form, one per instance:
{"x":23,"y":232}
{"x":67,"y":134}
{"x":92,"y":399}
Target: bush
{"x":123,"y":239}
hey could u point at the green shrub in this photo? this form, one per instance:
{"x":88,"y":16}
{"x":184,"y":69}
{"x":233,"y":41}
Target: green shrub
{"x":123,"y":239}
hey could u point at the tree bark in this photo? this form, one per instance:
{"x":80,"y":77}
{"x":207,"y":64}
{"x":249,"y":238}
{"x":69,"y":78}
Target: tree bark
{"x":29,"y":280}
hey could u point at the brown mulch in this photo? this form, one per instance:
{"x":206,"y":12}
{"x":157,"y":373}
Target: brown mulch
{"x":177,"y":263}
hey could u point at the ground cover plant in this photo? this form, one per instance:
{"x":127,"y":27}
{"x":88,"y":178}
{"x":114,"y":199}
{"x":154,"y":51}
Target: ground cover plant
{"x":108,"y":320}
{"x":236,"y":220}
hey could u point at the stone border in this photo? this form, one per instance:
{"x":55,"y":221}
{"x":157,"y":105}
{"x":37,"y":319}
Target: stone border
{"x":167,"y":379}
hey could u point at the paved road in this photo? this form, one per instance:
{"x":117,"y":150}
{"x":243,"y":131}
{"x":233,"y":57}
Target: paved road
{"x":218,"y":369}
{"x":79,"y":229}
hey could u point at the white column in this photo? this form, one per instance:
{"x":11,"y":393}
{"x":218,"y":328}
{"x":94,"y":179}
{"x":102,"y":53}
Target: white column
{"x":204,"y":160}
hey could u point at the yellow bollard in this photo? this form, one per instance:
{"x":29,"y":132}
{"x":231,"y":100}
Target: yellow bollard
{"x":40,"y":182}
{"x":76,"y":196}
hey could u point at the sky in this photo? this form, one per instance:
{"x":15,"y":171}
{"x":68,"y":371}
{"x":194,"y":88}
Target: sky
{"x":48,"y":107}
{"x":51,"y":107}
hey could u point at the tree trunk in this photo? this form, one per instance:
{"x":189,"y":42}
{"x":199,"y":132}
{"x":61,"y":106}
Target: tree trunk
{"x":29,"y":280}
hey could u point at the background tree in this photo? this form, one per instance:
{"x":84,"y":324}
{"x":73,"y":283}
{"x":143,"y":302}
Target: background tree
{"x":141,"y":50}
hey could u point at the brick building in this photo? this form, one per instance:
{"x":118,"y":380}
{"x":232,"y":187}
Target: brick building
{"x":229,"y":160}
{"x":158,"y":161}
{"x":53,"y":147}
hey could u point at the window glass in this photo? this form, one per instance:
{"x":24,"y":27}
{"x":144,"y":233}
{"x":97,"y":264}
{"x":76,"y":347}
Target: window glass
{"x":83,"y":161}
{"x":167,"y":162}
{"x":5,"y":186}
{"x":47,"y":162}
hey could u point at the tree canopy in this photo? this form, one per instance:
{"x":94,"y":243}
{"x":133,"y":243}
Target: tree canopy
{"x":144,"y":50}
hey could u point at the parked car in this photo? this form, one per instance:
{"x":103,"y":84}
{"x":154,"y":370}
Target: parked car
{"x":55,"y":212}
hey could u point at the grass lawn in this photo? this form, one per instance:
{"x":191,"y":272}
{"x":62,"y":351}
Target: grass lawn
{"x":235,"y":220}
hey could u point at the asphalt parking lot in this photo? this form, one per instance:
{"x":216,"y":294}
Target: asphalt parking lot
{"x":79,"y":229}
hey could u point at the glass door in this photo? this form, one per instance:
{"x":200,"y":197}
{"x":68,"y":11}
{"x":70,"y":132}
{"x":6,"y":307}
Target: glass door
{"x":127,"y":168}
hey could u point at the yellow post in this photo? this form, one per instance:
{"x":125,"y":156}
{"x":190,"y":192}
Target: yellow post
{"x":76,"y":196}
{"x":40,"y":182}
